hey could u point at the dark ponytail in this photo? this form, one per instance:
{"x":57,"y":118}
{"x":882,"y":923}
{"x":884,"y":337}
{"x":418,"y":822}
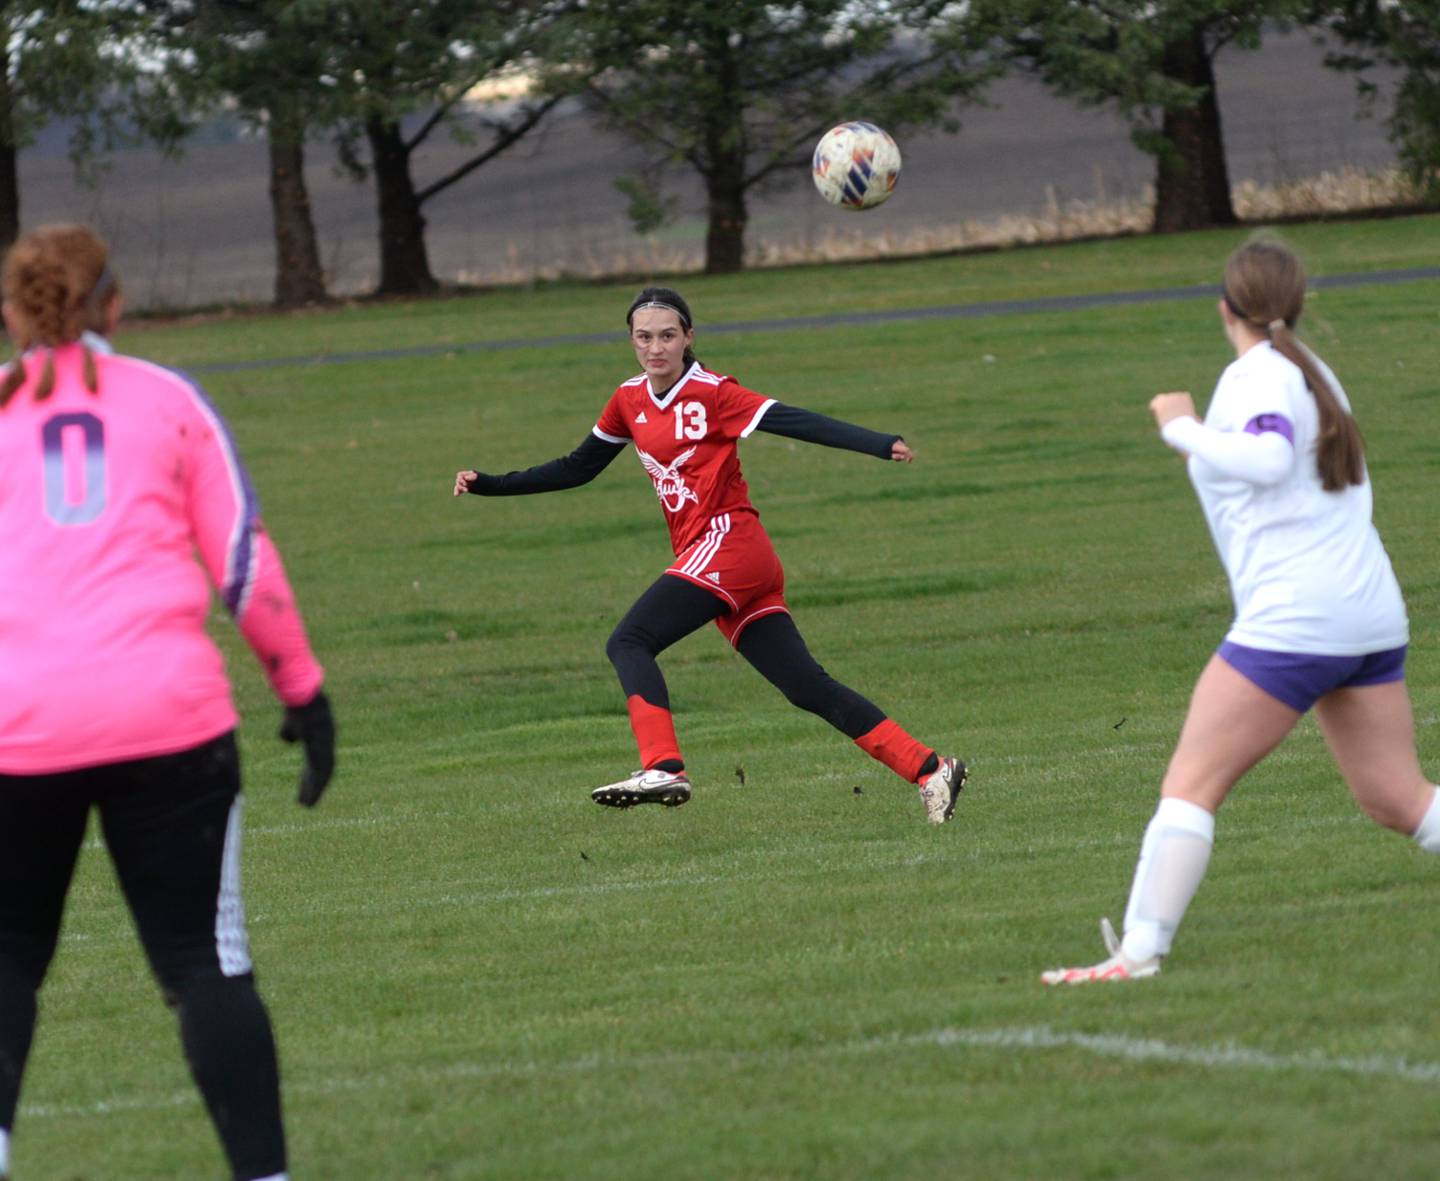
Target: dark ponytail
{"x":1340,"y":454}
{"x":1265,"y":286}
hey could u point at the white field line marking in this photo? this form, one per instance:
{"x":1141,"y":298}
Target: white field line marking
{"x":389,"y":820}
{"x":768,"y":866}
{"x":1227,"y":1054}
{"x":96,"y":843}
{"x":1223,"y":1056}
{"x":765,"y":865}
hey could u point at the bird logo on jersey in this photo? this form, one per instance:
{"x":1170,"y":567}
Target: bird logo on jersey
{"x":670,"y":485}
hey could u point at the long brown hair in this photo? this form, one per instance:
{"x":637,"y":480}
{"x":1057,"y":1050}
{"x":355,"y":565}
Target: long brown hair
{"x":58,"y":285}
{"x":1265,"y":286}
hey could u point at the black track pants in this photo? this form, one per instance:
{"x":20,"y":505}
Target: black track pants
{"x":172,"y":827}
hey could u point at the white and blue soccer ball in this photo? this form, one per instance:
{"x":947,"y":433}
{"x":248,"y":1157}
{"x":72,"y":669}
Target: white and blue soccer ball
{"x":856,"y":165}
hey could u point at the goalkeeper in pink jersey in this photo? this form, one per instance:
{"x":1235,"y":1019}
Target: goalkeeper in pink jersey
{"x":685,"y":423}
{"x":115,"y":474}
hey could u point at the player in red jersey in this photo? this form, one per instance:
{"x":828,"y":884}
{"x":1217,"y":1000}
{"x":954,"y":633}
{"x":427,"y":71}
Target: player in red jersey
{"x":685,"y":422}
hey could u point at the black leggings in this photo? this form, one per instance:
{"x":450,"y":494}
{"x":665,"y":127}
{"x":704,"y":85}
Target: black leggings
{"x":672,"y":608}
{"x":171,"y":826}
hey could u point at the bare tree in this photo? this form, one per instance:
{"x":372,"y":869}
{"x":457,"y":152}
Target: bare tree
{"x":399,"y":73}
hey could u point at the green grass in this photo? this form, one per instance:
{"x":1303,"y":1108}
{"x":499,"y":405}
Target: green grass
{"x":475,"y":973}
{"x":542,"y":310}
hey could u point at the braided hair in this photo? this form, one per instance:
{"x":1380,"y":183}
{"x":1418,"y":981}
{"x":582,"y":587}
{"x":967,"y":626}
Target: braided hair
{"x":58,"y":285}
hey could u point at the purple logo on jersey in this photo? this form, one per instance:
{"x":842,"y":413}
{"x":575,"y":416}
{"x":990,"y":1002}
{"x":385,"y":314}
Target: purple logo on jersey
{"x":670,"y":485}
{"x":1277,"y":423}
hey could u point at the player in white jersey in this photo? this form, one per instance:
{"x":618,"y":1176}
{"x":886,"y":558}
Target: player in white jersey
{"x":1279,"y":467}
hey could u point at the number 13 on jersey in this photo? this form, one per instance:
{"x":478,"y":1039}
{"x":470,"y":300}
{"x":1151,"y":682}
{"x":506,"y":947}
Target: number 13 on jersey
{"x":690,"y":420}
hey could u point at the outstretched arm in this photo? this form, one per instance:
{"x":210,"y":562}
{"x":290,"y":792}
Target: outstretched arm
{"x":1262,"y":454}
{"x":809,"y":427}
{"x":581,"y":466}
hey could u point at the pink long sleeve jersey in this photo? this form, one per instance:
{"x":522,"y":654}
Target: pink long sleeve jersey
{"x":104,"y":502}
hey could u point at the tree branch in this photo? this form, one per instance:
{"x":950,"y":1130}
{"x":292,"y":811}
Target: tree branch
{"x":508,"y":136}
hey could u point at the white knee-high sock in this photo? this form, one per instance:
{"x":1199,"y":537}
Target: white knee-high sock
{"x":4,"y":1153}
{"x":1173,"y":859}
{"x":1427,"y":836}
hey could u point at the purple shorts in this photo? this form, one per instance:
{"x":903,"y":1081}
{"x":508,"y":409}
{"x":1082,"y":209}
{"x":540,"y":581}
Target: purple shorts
{"x":1300,"y":679}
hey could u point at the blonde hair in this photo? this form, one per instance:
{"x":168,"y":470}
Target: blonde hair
{"x":1265,"y":286}
{"x":58,"y":285}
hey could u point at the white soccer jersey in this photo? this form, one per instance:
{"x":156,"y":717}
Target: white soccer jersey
{"x":1307,"y":570}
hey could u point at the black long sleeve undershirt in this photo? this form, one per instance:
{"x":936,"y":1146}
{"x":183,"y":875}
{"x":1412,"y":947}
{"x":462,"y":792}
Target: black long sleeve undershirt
{"x":581,"y":466}
{"x":809,"y":427}
{"x":594,"y":454}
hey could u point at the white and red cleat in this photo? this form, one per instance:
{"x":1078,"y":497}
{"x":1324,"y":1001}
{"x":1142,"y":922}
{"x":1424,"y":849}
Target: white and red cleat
{"x":645,"y":787}
{"x":942,"y":788}
{"x":1118,"y":966}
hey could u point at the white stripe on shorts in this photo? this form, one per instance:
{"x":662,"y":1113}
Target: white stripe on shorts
{"x":708,"y":546}
{"x":231,"y":944}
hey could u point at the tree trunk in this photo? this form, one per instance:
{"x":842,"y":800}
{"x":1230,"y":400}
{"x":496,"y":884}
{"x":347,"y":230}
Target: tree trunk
{"x":9,"y":163}
{"x":299,"y":279}
{"x":1192,"y":181}
{"x":725,"y":164}
{"x":404,"y":265}
{"x":725,"y":234}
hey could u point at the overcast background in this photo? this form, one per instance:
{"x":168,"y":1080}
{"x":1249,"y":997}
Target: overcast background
{"x":197,"y":230}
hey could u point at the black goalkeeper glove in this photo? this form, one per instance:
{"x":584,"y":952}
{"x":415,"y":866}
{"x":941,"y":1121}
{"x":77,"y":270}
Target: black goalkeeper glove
{"x":314,"y":725}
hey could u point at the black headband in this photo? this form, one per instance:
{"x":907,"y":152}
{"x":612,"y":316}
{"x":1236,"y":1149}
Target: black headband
{"x":1235,"y":309}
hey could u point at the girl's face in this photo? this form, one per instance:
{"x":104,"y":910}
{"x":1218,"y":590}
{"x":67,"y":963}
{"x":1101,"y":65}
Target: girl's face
{"x":660,"y":343}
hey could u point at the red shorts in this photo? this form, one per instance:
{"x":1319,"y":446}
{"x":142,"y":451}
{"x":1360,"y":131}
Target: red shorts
{"x":734,"y":559}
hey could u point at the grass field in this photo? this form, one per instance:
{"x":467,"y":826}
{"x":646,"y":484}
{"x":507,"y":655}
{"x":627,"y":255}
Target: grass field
{"x":476,"y":973}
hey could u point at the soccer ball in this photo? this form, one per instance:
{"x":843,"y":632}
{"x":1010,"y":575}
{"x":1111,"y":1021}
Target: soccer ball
{"x":856,"y":165}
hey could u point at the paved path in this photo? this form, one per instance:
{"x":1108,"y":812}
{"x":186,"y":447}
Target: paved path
{"x":959,"y":311}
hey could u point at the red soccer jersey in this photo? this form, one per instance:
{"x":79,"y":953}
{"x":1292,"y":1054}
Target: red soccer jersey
{"x":686,"y":440}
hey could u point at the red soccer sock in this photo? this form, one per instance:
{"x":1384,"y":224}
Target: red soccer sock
{"x":889,"y":744}
{"x":654,"y":732}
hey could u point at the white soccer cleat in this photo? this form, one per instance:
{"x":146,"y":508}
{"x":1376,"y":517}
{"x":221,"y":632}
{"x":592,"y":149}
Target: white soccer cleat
{"x":941,"y":789}
{"x":671,"y":788}
{"x":1118,"y":967}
